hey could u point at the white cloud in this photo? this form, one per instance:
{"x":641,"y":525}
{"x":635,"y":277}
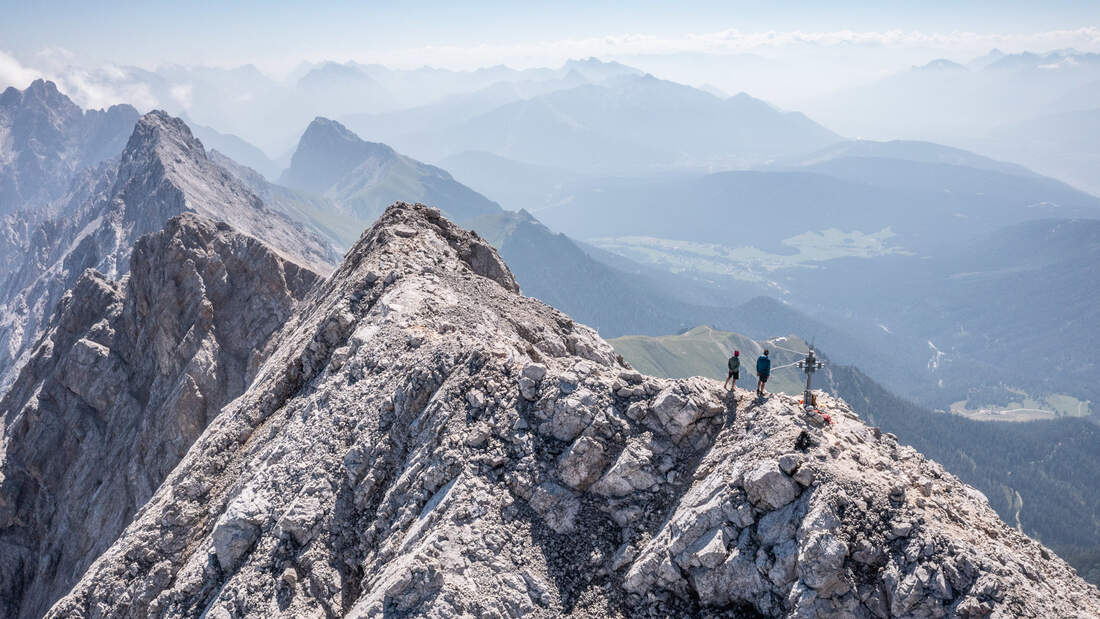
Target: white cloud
{"x":182,"y":94}
{"x":55,"y":56}
{"x":101,"y":87}
{"x":13,"y":73}
{"x":104,"y":87}
{"x":733,"y":42}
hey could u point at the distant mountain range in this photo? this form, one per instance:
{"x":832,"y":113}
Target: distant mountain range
{"x":947,"y":102}
{"x":268,"y":111}
{"x":1039,"y":110}
{"x":605,"y":117}
{"x":922,"y":203}
{"x":628,"y":124}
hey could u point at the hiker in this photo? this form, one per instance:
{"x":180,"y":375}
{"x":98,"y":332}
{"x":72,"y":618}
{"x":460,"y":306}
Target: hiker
{"x":763,"y":370}
{"x":735,"y":370}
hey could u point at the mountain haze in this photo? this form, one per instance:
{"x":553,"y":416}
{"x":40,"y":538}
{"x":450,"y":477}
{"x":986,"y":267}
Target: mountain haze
{"x":355,"y":176}
{"x":629,"y":124}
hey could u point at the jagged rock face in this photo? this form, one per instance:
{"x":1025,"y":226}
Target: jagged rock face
{"x":162,"y":172}
{"x":127,"y":377}
{"x":45,"y":139}
{"x":424,"y":440}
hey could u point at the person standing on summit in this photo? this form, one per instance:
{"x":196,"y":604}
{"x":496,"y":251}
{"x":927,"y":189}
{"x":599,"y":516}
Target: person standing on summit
{"x":735,"y":370}
{"x":763,"y":370}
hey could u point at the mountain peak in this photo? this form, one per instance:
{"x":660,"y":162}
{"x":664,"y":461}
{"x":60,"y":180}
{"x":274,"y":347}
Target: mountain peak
{"x":40,"y":94}
{"x":326,"y":128}
{"x":42,"y":86}
{"x":48,"y":139}
{"x":161,"y":131}
{"x":162,"y":146}
{"x":941,"y":64}
{"x":327,"y":152}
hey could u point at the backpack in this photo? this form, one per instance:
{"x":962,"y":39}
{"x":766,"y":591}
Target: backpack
{"x":763,"y":365}
{"x":735,"y":364}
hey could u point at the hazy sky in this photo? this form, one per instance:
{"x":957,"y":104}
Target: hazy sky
{"x":759,"y":47}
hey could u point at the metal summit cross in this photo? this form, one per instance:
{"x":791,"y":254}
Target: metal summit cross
{"x":809,"y":365}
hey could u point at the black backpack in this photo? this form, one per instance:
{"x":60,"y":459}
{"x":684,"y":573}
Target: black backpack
{"x":735,"y":364}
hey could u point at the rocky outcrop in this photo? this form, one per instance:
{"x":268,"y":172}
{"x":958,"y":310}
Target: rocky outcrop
{"x":126,"y":378}
{"x":423,"y":440}
{"x":162,"y":172}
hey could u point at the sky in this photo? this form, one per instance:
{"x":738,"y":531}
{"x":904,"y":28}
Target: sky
{"x":782,"y":51}
{"x":276,"y":35}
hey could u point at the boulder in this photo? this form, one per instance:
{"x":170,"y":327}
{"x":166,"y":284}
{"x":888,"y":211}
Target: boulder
{"x":821,"y":564}
{"x":572,"y":414}
{"x":709,"y":551}
{"x":632,"y":471}
{"x":583,"y":464}
{"x":768,"y":488}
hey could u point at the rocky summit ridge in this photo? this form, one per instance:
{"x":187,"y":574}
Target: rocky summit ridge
{"x":420,"y":439}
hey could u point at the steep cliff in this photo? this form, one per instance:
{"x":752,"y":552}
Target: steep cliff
{"x":127,"y":376}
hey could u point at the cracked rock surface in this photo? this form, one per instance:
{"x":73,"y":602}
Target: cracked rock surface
{"x":126,"y":378}
{"x":422,"y":440}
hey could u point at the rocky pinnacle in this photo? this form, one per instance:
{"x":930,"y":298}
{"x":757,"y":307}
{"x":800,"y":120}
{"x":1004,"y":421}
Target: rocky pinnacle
{"x":420,"y":439}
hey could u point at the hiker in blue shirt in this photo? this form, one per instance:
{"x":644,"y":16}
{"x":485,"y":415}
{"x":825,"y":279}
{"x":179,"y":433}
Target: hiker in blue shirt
{"x":763,"y":370}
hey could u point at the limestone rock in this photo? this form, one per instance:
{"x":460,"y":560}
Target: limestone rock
{"x":126,"y":378}
{"x":631,"y":472}
{"x":768,"y":487}
{"x":163,"y":171}
{"x":583,"y":463}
